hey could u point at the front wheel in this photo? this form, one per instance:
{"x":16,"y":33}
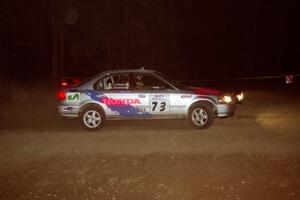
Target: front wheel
{"x":201,"y":116}
{"x":92,"y":118}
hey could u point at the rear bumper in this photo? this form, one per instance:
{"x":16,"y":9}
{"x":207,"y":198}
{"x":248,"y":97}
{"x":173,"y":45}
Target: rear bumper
{"x":225,"y":110}
{"x":68,"y":111}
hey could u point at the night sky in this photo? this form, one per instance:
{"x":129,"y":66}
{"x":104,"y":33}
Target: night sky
{"x":188,"y":39}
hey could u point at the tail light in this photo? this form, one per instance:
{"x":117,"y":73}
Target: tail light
{"x":61,"y":95}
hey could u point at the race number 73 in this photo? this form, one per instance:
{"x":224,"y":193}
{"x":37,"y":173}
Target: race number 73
{"x":158,"y":106}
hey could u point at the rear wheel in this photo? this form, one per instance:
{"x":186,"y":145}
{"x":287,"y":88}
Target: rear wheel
{"x":201,"y":116}
{"x":92,"y":118}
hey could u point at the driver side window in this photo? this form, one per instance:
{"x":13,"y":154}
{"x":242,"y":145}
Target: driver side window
{"x":146,"y":82}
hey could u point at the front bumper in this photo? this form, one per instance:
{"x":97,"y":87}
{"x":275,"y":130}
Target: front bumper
{"x":225,"y":110}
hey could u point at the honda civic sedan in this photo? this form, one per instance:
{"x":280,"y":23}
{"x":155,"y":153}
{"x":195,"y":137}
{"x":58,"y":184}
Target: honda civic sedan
{"x":141,"y":94}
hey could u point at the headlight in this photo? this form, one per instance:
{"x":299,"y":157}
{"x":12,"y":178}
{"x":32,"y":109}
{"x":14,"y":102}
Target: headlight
{"x":240,"y":96}
{"x":225,"y":99}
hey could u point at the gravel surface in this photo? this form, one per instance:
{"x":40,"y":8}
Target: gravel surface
{"x":252,"y":155}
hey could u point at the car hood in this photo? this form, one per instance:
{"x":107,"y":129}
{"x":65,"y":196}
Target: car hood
{"x":206,"y":91}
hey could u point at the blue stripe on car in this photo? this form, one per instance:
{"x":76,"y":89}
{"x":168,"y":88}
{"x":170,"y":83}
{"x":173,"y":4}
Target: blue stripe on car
{"x":123,"y":109}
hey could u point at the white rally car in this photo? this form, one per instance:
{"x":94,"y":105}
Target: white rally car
{"x":141,"y":94}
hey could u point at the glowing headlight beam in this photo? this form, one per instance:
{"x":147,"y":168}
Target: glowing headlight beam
{"x":225,"y":99}
{"x":240,"y":96}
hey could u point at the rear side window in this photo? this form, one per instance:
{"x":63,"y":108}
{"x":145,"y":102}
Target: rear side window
{"x":116,"y":82}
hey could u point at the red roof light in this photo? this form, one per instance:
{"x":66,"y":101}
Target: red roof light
{"x":64,"y":83}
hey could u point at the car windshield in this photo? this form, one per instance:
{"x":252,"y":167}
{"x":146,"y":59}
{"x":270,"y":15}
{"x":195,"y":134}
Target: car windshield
{"x":176,"y":84}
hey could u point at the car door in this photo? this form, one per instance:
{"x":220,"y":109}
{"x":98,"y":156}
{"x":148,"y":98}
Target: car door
{"x":119,"y":100}
{"x":180,"y":97}
{"x":156,"y":91}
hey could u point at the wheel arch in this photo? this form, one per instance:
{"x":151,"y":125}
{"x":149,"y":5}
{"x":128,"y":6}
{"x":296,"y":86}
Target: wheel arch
{"x":203,"y":102}
{"x":91,"y":104}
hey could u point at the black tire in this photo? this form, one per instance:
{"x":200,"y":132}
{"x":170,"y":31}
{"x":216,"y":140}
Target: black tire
{"x":201,"y":116}
{"x":92,"y":118}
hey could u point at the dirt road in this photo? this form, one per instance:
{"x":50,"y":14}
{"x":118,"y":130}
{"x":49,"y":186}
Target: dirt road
{"x":253,"y":155}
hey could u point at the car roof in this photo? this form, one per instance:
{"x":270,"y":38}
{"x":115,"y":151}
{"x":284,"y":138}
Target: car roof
{"x":115,"y":71}
{"x":128,"y":71}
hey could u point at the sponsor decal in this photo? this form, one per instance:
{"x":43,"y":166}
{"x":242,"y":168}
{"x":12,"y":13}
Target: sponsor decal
{"x":159,"y":95}
{"x":120,"y":106}
{"x":110,"y":101}
{"x":73,"y":96}
{"x":69,"y":108}
{"x":186,"y":96}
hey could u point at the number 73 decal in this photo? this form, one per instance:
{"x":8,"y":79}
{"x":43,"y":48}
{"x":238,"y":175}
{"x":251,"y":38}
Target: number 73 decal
{"x":159,"y":105}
